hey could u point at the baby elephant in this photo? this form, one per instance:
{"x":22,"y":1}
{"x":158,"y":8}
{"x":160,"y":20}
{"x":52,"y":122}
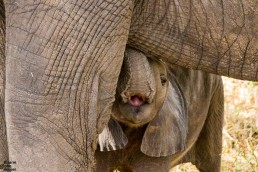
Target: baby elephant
{"x":162,"y":116}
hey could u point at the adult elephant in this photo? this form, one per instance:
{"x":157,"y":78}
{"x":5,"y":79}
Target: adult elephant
{"x":63,"y":58}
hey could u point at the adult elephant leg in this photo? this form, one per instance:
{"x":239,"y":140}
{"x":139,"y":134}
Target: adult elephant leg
{"x":3,"y":138}
{"x":218,"y":36}
{"x":63,"y":62}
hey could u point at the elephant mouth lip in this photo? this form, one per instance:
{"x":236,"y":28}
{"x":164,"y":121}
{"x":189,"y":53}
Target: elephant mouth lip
{"x":136,"y":100}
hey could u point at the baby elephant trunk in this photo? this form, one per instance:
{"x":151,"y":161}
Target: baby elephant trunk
{"x":137,"y":82}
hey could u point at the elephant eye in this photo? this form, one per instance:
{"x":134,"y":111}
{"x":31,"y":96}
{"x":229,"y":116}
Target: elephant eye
{"x":163,"y":79}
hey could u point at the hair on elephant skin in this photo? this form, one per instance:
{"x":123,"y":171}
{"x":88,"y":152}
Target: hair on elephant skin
{"x":163,"y":116}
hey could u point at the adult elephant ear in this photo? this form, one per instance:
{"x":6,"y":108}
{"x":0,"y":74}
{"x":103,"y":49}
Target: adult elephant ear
{"x":112,"y":137}
{"x":166,"y":134}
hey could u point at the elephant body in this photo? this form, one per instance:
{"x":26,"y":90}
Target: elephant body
{"x":63,"y":59}
{"x":203,"y":96}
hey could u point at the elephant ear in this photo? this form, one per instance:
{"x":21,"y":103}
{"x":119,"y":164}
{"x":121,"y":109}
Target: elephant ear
{"x":112,"y":137}
{"x":166,"y":134}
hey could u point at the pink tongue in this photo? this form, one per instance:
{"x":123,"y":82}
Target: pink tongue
{"x":136,"y":101}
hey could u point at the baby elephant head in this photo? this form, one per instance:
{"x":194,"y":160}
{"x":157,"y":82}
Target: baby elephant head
{"x":147,"y":94}
{"x":141,"y":90}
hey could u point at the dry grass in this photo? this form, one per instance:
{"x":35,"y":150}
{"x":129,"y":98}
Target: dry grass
{"x":240,"y":134}
{"x":240,"y":151}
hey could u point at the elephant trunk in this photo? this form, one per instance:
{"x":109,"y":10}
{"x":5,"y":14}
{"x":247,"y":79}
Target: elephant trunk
{"x":137,"y":79}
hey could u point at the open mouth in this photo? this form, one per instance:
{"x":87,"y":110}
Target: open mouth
{"x":136,"y":100}
{"x":136,"y":110}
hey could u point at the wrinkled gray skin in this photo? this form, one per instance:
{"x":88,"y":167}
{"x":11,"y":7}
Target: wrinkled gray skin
{"x":182,"y":122}
{"x":63,"y":60}
{"x":3,"y":138}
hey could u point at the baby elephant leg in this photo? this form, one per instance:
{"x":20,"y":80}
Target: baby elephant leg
{"x":209,"y":144}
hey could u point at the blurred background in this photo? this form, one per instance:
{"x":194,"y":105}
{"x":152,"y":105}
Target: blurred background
{"x":240,"y":133}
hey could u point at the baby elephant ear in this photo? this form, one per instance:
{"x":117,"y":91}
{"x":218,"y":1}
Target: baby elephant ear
{"x":112,"y":137}
{"x":166,"y":134}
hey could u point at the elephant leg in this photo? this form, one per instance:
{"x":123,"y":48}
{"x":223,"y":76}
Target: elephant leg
{"x":208,"y":147}
{"x":63,"y":59}
{"x":3,"y":138}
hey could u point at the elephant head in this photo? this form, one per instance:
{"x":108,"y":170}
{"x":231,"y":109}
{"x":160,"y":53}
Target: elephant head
{"x":146,"y":95}
{"x":142,"y":89}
